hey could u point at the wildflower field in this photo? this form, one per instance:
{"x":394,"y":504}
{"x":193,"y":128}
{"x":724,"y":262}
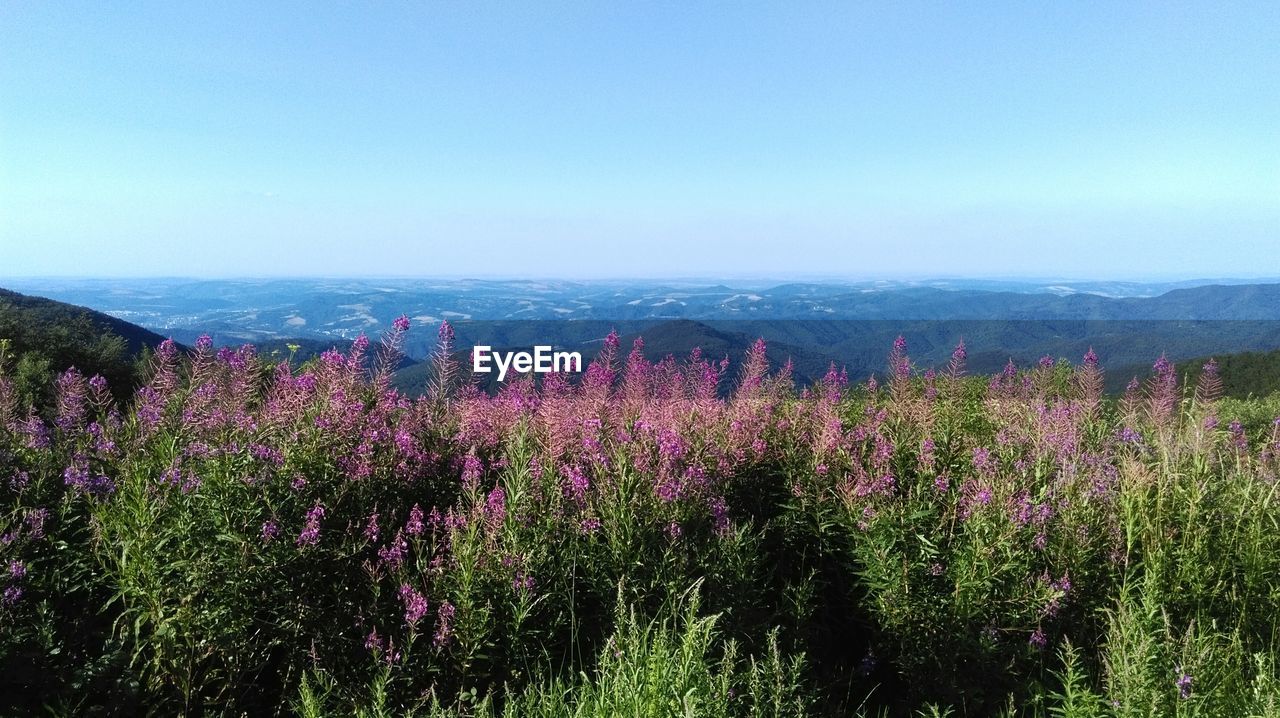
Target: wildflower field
{"x":253,"y":538}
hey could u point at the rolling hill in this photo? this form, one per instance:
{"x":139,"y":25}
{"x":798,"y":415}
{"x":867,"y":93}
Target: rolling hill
{"x":43,"y":337}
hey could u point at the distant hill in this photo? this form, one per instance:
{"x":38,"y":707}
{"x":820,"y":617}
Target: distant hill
{"x":1126,"y":348}
{"x":1244,"y":375}
{"x":44,"y":338}
{"x":852,"y":324}
{"x":236,"y":311}
{"x":676,"y":338}
{"x":47,"y":312}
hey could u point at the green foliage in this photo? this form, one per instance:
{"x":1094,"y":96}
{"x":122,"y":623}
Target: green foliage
{"x":673,"y":665}
{"x":246,"y":539}
{"x":1244,"y":375}
{"x":1257,"y":415}
{"x":43,"y":338}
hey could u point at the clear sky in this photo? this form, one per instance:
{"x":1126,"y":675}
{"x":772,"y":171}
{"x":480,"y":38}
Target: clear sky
{"x":594,"y":139}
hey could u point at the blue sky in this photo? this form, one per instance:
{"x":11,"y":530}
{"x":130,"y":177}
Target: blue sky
{"x":643,"y":139}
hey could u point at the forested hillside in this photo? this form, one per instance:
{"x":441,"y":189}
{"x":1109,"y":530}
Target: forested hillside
{"x":40,"y":338}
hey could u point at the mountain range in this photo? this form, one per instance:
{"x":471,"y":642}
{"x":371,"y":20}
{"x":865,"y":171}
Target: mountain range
{"x":263,"y":309}
{"x":812,"y":324}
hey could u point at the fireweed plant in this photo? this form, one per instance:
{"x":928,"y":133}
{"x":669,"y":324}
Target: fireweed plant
{"x":250,"y":538}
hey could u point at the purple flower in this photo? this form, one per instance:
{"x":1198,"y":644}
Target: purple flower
{"x":1163,"y":366}
{"x":101,"y":443}
{"x":522,"y":582}
{"x":268,"y":454}
{"x":472,"y":468}
{"x":12,"y":595}
{"x":928,"y":454}
{"x":670,"y":445}
{"x":34,"y":521}
{"x":982,"y":460}
{"x":973,"y":495}
{"x":576,"y":485}
{"x":414,"y":526}
{"x":719,"y":514}
{"x":1238,"y":437}
{"x":270,"y":530}
{"x":76,"y":474}
{"x":495,"y":509}
{"x":415,"y":604}
{"x":899,"y":363}
{"x":1163,"y":392}
{"x":305,"y":382}
{"x":17,"y":570}
{"x":71,"y":409}
{"x":36,"y":433}
{"x":833,"y":379}
{"x":371,"y":527}
{"x":310,"y":535}
{"x":360,"y":345}
{"x":393,"y":556}
{"x":1062,"y":585}
{"x":444,"y":624}
{"x":401,"y":323}
{"x":186,"y":482}
{"x":1038,"y":640}
{"x":1184,"y":685}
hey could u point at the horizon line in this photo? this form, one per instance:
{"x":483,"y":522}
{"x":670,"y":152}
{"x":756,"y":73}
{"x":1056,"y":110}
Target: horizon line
{"x":693,"y":277}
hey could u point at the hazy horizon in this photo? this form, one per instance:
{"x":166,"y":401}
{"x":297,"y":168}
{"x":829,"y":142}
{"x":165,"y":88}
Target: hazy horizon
{"x":817,"y":278}
{"x":672,"y":277}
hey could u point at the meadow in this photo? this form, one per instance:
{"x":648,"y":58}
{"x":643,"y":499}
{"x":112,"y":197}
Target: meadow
{"x":250,"y":537}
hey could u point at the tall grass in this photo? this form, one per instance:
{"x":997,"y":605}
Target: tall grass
{"x":254,"y":539}
{"x":674,"y":665}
